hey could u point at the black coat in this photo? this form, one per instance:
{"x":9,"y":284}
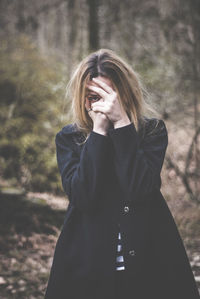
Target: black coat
{"x":100,"y":178}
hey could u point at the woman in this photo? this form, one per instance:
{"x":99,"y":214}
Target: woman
{"x":119,"y":239}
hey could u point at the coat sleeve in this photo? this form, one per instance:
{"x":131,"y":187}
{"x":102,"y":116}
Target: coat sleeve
{"x":138,"y":163}
{"x":82,"y":176}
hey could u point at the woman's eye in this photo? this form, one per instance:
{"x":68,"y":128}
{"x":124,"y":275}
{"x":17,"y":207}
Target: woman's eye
{"x":93,"y":98}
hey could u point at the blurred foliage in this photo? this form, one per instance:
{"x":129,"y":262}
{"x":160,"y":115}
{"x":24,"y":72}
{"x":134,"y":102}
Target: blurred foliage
{"x":31,"y":94}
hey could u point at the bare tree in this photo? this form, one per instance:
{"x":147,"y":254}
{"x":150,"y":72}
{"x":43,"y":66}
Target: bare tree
{"x":93,"y":24}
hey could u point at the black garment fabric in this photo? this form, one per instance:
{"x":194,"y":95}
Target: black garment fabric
{"x":101,"y":178}
{"x":122,"y":285}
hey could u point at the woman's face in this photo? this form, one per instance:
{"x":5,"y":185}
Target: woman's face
{"x":91,"y":96}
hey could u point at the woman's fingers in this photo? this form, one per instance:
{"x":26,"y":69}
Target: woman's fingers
{"x":103,"y":85}
{"x":101,"y":107}
{"x":98,"y":90}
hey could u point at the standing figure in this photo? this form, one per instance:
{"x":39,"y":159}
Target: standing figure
{"x":119,"y":239}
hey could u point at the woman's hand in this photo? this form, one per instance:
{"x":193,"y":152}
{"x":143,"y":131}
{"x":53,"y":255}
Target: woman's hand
{"x":101,"y":122}
{"x":109,"y":104}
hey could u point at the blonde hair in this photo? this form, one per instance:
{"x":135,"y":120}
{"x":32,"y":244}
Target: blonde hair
{"x":126,"y":82}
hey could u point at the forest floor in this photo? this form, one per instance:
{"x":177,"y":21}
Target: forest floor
{"x":29,"y":228}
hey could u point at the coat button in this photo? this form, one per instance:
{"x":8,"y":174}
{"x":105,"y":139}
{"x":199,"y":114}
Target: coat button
{"x":132,"y":252}
{"x":126,"y":209}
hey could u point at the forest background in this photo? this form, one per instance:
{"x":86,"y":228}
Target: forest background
{"x":41,"y":42}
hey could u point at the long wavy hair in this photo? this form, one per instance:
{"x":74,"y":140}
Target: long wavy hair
{"x":126,"y":82}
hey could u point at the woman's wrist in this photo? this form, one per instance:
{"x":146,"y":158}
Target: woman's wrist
{"x":122,"y":122}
